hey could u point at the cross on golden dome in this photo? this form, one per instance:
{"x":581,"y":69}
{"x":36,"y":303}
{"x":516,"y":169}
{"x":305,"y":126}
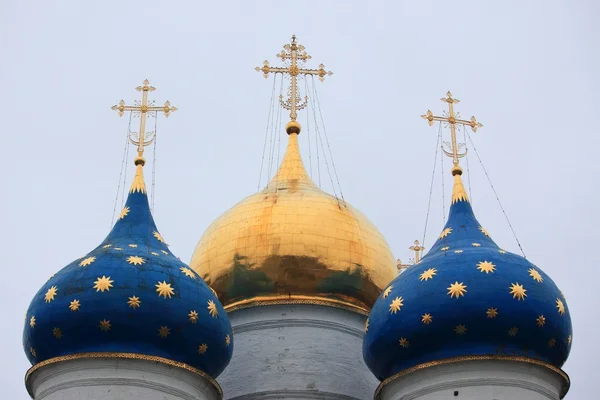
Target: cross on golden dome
{"x":293,"y":56}
{"x":143,"y":108}
{"x":452,"y":119}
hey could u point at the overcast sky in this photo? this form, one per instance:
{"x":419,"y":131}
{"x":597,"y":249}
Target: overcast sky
{"x":527,"y":70}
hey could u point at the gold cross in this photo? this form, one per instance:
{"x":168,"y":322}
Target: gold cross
{"x":143,"y":108}
{"x":293,"y":56}
{"x":452,"y":119}
{"x":418,"y":251}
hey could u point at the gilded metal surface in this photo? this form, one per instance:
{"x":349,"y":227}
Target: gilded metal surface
{"x":452,"y":120}
{"x":293,"y":239}
{"x":430,"y":364}
{"x":294,"y":56}
{"x":122,"y":356}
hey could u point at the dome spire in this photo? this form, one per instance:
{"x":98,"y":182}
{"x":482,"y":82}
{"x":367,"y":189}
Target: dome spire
{"x":142,"y":138}
{"x":452,"y":119}
{"x":293,"y":57}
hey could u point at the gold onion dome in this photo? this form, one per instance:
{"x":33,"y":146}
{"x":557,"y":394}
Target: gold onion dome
{"x":294,"y":243}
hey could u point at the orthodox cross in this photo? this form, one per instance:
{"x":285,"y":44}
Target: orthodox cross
{"x":451,"y":118}
{"x":418,"y":249}
{"x":143,"y":108}
{"x":294,"y":56}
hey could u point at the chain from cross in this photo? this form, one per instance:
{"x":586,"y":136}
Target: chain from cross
{"x":296,"y":56}
{"x":418,"y":249}
{"x":143,"y":108}
{"x":452,"y":119}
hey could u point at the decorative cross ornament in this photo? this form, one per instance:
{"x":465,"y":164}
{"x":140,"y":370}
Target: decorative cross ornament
{"x":293,"y":56}
{"x":143,"y":108}
{"x":452,"y":119}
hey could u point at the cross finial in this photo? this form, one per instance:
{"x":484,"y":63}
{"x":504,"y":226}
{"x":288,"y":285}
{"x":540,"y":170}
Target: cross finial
{"x":451,"y":119}
{"x":418,"y":249}
{"x":143,"y":108}
{"x":293,"y":57}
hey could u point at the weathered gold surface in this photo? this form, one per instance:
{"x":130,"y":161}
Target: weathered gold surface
{"x":292,"y":239}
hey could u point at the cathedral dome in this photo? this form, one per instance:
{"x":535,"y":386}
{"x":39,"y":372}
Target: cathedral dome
{"x":467,"y":299}
{"x":292,"y":242}
{"x":132,"y":298}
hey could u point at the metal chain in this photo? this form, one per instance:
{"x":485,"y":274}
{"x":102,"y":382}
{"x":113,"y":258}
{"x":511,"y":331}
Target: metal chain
{"x":496,"y":194}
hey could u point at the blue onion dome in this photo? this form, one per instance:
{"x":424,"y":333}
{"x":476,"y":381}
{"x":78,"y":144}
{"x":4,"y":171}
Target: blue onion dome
{"x":467,"y":299}
{"x":130,"y":296}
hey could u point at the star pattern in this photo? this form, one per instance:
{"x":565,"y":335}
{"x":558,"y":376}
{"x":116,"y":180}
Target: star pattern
{"x":458,"y":251}
{"x":164,"y":289}
{"x":187,"y":272}
{"x":535,"y":275}
{"x":460,"y":329}
{"x":74,"y":305}
{"x":155,"y":253}
{"x":32,"y":351}
{"x":135,"y":260}
{"x":387,"y":291}
{"x":166,"y":253}
{"x":102,"y":284}
{"x":484,"y":231}
{"x":106,"y":246}
{"x":193,"y":315}
{"x":502,"y":251}
{"x":32,"y":321}
{"x":486,"y":266}
{"x":158,"y":236}
{"x":404,"y":342}
{"x":202,"y":348}
{"x":164,"y":331}
{"x":457,"y":289}
{"x":134,"y":302}
{"x":569,"y":339}
{"x":426,"y":318}
{"x":105,"y":325}
{"x":560,"y":306}
{"x":367,"y":325}
{"x":517,"y":291}
{"x":227,"y":340}
{"x":445,"y":233}
{"x":50,"y":294}
{"x":396,"y":305}
{"x":552,"y":342}
{"x":212,"y":309}
{"x":445,"y":248}
{"x":132,"y":245}
{"x":491,"y":312}
{"x":475,"y":244}
{"x":57,"y":333}
{"x":513,"y":331}
{"x":87,"y":261}
{"x":124,"y":212}
{"x":540,"y":321}
{"x":428,"y":274}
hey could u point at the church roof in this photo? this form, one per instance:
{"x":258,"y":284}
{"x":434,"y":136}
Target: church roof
{"x":130,"y":295}
{"x":467,"y":298}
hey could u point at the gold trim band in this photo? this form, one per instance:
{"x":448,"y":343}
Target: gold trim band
{"x":452,"y":360}
{"x":295,"y":299}
{"x":122,"y":356}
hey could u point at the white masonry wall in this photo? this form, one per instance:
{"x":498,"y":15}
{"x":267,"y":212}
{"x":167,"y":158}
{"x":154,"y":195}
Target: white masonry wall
{"x":477,"y":380}
{"x":118,"y":379}
{"x":297,"y":352}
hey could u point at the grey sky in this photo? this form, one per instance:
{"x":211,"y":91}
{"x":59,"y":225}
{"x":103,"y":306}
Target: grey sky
{"x":527,"y":70}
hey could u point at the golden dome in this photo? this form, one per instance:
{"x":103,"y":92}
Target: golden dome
{"x":294,"y":243}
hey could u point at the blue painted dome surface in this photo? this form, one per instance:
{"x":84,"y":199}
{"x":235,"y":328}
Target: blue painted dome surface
{"x":467,"y":297}
{"x":130,"y":295}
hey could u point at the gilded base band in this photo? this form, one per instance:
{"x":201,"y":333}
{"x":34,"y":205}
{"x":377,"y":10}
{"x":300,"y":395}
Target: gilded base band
{"x":295,"y":299}
{"x":122,"y":356}
{"x":452,"y":360}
